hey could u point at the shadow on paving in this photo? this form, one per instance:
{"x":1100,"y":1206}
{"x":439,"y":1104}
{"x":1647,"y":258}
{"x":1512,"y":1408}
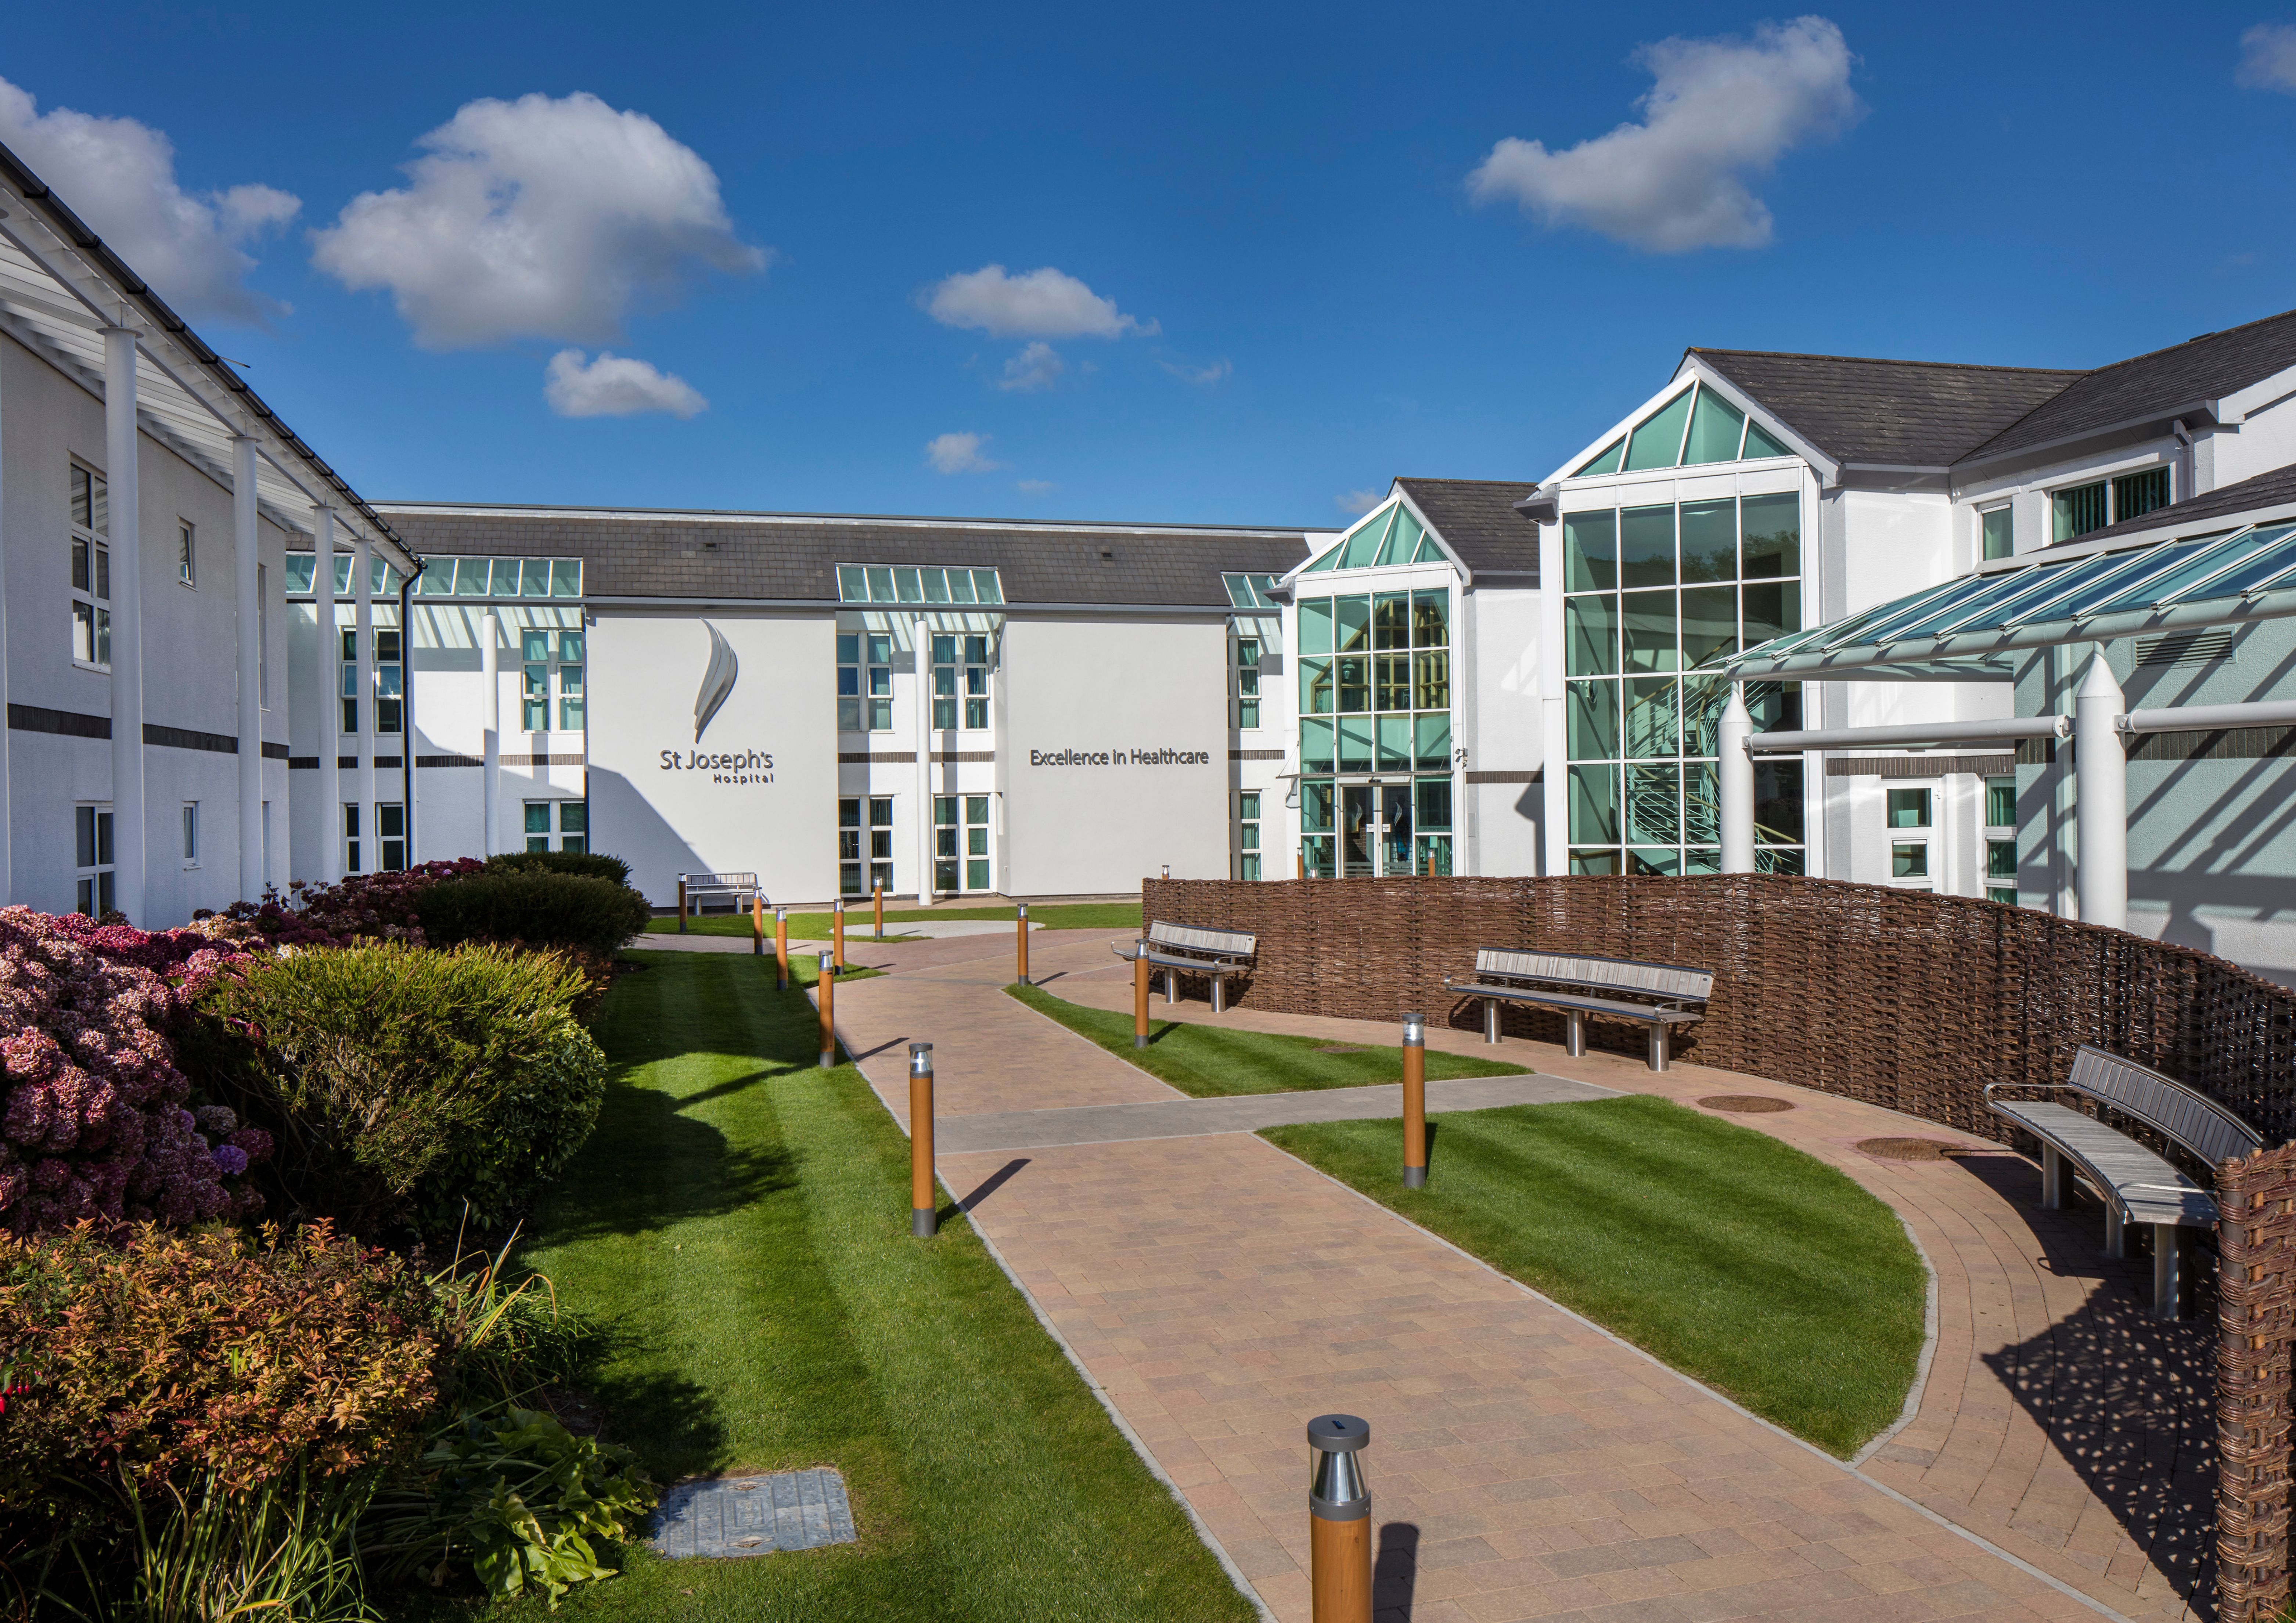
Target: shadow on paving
{"x":2127,"y":1399}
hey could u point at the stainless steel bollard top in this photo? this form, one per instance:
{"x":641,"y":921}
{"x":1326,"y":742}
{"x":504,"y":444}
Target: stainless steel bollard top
{"x":1336,"y":1489}
{"x":921,"y":1059}
{"x":779,"y":914}
{"x":839,"y":905}
{"x":1415,"y":1031}
{"x":1024,"y":913}
{"x":1167,"y":870}
{"x":829,"y":963}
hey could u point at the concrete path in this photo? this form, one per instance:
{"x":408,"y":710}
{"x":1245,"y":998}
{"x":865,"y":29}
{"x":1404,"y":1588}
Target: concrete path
{"x":1525,"y":1463}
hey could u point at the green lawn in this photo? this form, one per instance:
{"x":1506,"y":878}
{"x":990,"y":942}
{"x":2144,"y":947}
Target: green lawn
{"x":1205,"y":1061}
{"x":1737,"y":1259}
{"x":739,"y":1222}
{"x":815,"y":926}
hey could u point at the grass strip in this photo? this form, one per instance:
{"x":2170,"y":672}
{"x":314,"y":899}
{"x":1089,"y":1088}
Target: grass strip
{"x":739,"y":1226}
{"x":1209,"y":1060}
{"x":1737,"y":1259}
{"x":815,"y":926}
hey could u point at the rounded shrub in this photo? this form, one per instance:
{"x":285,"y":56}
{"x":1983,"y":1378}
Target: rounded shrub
{"x":590,"y":864}
{"x":401,"y":1083}
{"x":575,"y":910}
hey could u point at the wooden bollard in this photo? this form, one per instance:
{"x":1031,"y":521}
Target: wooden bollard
{"x":881,"y":913}
{"x":924,"y":1216}
{"x":1339,"y":1521}
{"x":758,"y":923}
{"x":1140,"y":995}
{"x":780,"y":948}
{"x":681,"y":903}
{"x":1414,"y":1102}
{"x":828,"y":989}
{"x":837,"y":929}
{"x":1024,"y":943}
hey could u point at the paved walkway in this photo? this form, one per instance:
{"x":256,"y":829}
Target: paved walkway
{"x":1526,"y":1464}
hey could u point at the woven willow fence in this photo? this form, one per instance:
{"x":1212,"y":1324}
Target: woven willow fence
{"x":1902,"y":999}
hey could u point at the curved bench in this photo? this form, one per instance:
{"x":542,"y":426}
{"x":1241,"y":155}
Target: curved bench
{"x":1188,"y":950}
{"x":1660,"y":996}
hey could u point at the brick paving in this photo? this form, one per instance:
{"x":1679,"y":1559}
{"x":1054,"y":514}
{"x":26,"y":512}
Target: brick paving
{"x":1524,"y":1463}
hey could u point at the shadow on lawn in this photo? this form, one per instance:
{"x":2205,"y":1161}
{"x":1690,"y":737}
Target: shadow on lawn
{"x":2127,"y":1400}
{"x":688,"y":1169}
{"x":673,"y":1422}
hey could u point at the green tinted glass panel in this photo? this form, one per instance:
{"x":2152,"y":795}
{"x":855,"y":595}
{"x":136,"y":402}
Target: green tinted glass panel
{"x":1909,"y":807}
{"x":2000,"y":860}
{"x":1777,"y":805}
{"x":1710,"y":625}
{"x":1703,"y":699}
{"x":1657,"y":440}
{"x":1431,"y":741}
{"x":1429,"y":552}
{"x":1715,"y":427}
{"x":1353,"y":676}
{"x":986,"y":587}
{"x":1328,"y":560}
{"x":1315,"y":746}
{"x":852,"y":585}
{"x":1317,"y":805}
{"x":960,"y":586}
{"x":1604,"y":461}
{"x":1355,"y":743}
{"x":1315,"y":625}
{"x":1772,"y":530}
{"x":1315,"y":694}
{"x":1710,"y":541}
{"x":1390,"y":620}
{"x":1759,"y":443}
{"x":1430,"y":619}
{"x":1648,"y":620}
{"x":1702,"y":803}
{"x":1653,"y":718}
{"x":1593,"y":862}
{"x":1706,"y":861}
{"x":1432,"y":798}
{"x":1653,"y":804}
{"x":881,"y":584}
{"x":1590,"y":551}
{"x":1593,"y":712}
{"x":1395,"y":743}
{"x":1999,"y":531}
{"x":1403,"y":540}
{"x":1646,"y":547}
{"x":1593,"y":805}
{"x":1362,"y":546}
{"x":566,"y":578}
{"x":1353,"y":623}
{"x":1773,"y":609}
{"x":2001,"y":802}
{"x":1590,"y":635}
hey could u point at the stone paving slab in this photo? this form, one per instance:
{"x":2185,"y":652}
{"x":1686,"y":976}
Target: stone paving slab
{"x":1240,"y":1112}
{"x":735,"y":1516}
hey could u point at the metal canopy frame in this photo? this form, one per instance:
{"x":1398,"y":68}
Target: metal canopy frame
{"x":1970,"y":628}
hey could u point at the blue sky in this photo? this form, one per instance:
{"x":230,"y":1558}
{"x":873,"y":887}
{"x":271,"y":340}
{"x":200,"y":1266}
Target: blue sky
{"x":1294,"y":292}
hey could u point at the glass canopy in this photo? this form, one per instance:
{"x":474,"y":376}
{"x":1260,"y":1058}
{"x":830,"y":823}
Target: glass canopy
{"x":1697,"y":426}
{"x":1389,"y":535}
{"x":893,"y":583}
{"x":1967,"y":624}
{"x":384,"y":578}
{"x":1249,"y":591}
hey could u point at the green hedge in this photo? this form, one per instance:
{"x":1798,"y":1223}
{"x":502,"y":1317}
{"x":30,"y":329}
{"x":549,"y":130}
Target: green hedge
{"x":598,"y":915}
{"x":591,"y":865}
{"x":400,"y":1082}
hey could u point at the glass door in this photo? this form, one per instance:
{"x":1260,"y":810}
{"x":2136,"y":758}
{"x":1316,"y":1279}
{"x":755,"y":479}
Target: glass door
{"x":1395,"y":829}
{"x":1358,"y":838}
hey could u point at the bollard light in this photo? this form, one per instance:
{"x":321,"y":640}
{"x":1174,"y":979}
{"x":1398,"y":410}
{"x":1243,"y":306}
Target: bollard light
{"x":1024,"y":943}
{"x":1140,"y":993}
{"x":881,"y":913}
{"x":923,"y":1218}
{"x":1414,"y":1102}
{"x":828,"y":988}
{"x":758,"y":923}
{"x":1167,"y":870}
{"x":837,"y":929}
{"x":780,"y":948}
{"x":681,"y":903}
{"x":1339,"y":1520}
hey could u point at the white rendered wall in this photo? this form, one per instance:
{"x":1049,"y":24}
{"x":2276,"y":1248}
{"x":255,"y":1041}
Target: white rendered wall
{"x":1508,"y":733}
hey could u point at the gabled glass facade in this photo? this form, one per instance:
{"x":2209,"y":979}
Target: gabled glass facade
{"x":1695,"y":427}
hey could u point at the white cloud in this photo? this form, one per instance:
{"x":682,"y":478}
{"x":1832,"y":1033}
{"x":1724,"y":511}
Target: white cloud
{"x":1720,"y":112}
{"x":616,"y":386}
{"x":1038,"y":366}
{"x":536,"y":219}
{"x":1033,"y":486}
{"x":959,"y":454}
{"x":2268,"y":58}
{"x":1203,"y":376}
{"x":1355,"y":504}
{"x":119,"y":176}
{"x":1044,"y":303}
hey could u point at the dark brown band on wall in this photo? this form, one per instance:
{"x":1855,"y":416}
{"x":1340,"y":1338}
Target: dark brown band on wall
{"x":1918,"y":766}
{"x":1507,"y":777}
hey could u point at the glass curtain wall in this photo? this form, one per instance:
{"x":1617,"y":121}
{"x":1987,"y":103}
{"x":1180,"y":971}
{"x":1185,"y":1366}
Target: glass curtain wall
{"x":1376,"y":706}
{"x":1656,"y":597}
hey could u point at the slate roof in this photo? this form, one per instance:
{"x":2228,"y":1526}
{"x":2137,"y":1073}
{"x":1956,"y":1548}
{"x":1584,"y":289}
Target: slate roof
{"x":1476,"y":518}
{"x":1892,"y":413}
{"x":2155,"y":385}
{"x":2234,"y":504}
{"x":734,"y":557}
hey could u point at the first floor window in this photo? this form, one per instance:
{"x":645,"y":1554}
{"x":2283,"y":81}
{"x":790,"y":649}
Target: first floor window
{"x":864,"y":682}
{"x":961,"y":842}
{"x":390,"y":828}
{"x":960,"y":676}
{"x":572,"y":821}
{"x":390,"y":682}
{"x":546,"y":656}
{"x":1247,"y":682}
{"x":92,"y":858}
{"x":191,"y":834}
{"x":1247,"y":834}
{"x":1910,"y":815}
{"x":91,"y":568}
{"x":350,"y":681}
{"x":186,"y":557}
{"x":1997,"y":526}
{"x":351,"y":838}
{"x":2001,"y":839}
{"x":865,"y":850}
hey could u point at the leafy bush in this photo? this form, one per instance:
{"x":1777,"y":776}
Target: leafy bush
{"x":93,"y":1122}
{"x":539,"y":909}
{"x":593,"y":865}
{"x":402,"y":1083}
{"x":164,"y":1358}
{"x":362,"y":907}
{"x":517,"y":1495}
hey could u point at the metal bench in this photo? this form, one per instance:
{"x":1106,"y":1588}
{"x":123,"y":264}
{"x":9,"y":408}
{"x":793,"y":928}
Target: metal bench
{"x":695,"y":888}
{"x":2135,"y":1186}
{"x":1660,"y":996}
{"x":1185,"y":949}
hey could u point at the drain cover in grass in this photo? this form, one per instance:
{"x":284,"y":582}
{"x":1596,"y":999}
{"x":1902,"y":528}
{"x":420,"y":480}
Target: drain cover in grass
{"x":1746,"y":1104}
{"x":1910,"y":1149}
{"x":788,"y":1510}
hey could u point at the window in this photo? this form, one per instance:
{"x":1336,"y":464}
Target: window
{"x":2135,"y":495}
{"x":853,"y":878}
{"x":972,"y":864}
{"x":549,"y":659}
{"x":1908,"y":811}
{"x":1909,"y":859}
{"x":1389,"y":537}
{"x":186,"y":555}
{"x":2001,"y":839}
{"x":191,"y":834}
{"x":558,"y":578}
{"x":92,"y":858}
{"x":887,"y":583}
{"x":390,"y":682}
{"x":1247,"y":834}
{"x":1909,"y":808}
{"x":960,"y":661}
{"x":1996,"y":527}
{"x":91,"y":570}
{"x":350,"y":679}
{"x":571,"y":714}
{"x":2078,"y":511}
{"x":1247,"y":681}
{"x":864,"y":682}
{"x":351,"y":838}
{"x":1655,"y":597}
{"x":263,"y":635}
{"x":1680,"y":433}
{"x":390,"y":829}
{"x":573,"y":821}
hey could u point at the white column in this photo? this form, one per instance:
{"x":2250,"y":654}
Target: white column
{"x":247,"y":619}
{"x":363,"y":744}
{"x":2101,"y":796}
{"x":128,"y":834}
{"x":924,"y":763}
{"x":490,"y":679}
{"x":1736,"y":771}
{"x":327,"y":685}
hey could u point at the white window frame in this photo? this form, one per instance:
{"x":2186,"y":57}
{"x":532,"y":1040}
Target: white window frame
{"x":191,"y":834}
{"x":89,"y":891}
{"x":1247,"y":676}
{"x":95,"y":597}
{"x":1987,"y":511}
{"x":1924,"y":835}
{"x":552,"y":667}
{"x":865,"y":700}
{"x":1255,"y":851}
{"x":351,"y":852}
{"x":864,"y":832}
{"x":384,"y":838}
{"x":553,"y":834}
{"x":187,"y":555}
{"x":1992,"y":833}
{"x":964,"y":673}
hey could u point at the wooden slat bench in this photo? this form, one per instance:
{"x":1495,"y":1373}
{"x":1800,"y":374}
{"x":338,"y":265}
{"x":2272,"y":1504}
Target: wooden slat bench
{"x":695,"y":888}
{"x":2136,"y":1184}
{"x":1186,"y":949}
{"x":1660,"y":996}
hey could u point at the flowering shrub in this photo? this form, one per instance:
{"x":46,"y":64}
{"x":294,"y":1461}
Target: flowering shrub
{"x":364,"y":907}
{"x":177,"y":1356}
{"x":93,"y":1122}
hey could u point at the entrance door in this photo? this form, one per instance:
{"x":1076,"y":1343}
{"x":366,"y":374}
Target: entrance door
{"x":1395,"y":843}
{"x":1359,"y":839}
